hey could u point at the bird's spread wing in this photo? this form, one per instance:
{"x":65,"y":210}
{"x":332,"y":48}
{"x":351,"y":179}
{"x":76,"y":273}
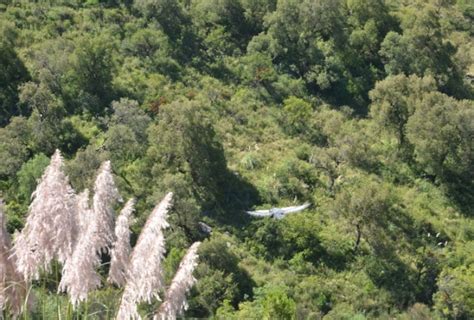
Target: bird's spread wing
{"x":295,"y":208}
{"x":204,"y":227}
{"x":259,"y":213}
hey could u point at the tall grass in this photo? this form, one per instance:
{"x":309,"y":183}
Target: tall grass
{"x":120,"y":261}
{"x":60,"y":250}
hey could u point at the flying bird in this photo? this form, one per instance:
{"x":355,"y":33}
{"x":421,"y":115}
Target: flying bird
{"x":204,"y":227}
{"x":278,"y":213}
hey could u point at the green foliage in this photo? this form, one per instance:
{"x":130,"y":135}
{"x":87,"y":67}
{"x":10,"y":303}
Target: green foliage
{"x":361,"y":107}
{"x":12,"y":74}
{"x":221,"y":19}
{"x":440,"y":137}
{"x":296,"y":113}
{"x":14,"y":149}
{"x":455,"y":297}
{"x":183,"y":142}
{"x":92,"y":73}
{"x":269,"y":303}
{"x":82,"y":169}
{"x":167,"y":12}
{"x":366,"y":205}
{"x":29,"y":175}
{"x":49,"y":128}
{"x":394,"y":100}
{"x":220,"y":277}
{"x":420,"y":49}
{"x":277,"y":305}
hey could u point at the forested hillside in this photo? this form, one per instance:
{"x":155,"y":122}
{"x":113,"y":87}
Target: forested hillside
{"x":364,"y":108}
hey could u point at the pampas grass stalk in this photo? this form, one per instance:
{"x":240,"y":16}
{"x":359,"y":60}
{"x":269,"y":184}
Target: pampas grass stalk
{"x":105,"y":196}
{"x":120,"y":255}
{"x":84,"y":212}
{"x":145,"y":274}
{"x":80,"y":272}
{"x":50,"y":229}
{"x":62,"y":226}
{"x":12,"y":287}
{"x":182,"y":282}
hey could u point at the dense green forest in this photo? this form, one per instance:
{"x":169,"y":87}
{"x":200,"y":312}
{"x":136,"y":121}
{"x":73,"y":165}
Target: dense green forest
{"x":364,"y":108}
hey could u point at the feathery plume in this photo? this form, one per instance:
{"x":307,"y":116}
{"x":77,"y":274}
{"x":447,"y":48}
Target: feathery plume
{"x":145,"y":264}
{"x":120,"y":256}
{"x":79,"y":275}
{"x":128,"y":306}
{"x":50,"y":230}
{"x":105,"y":196}
{"x":97,"y":233}
{"x":145,"y":275}
{"x":84,"y":212}
{"x":4,"y":261}
{"x":12,"y":287}
{"x":175,"y":302}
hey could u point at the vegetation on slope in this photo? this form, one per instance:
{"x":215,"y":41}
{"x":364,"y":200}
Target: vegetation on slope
{"x":362,"y":107}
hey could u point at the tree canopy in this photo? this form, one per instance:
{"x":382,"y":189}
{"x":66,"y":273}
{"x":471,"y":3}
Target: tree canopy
{"x":364,"y":108}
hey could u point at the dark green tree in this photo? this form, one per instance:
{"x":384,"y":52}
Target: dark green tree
{"x":92,"y":74}
{"x":296,"y":115}
{"x":168,"y":13}
{"x":14,"y":146}
{"x":421,"y":48}
{"x":394,"y":100}
{"x":441,"y":131}
{"x":365,"y":205}
{"x":186,"y":157}
{"x":12,"y":73}
{"x":29,"y":174}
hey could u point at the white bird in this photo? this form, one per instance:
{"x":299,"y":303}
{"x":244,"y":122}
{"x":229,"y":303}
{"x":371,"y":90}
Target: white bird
{"x":204,"y":227}
{"x":278,"y":213}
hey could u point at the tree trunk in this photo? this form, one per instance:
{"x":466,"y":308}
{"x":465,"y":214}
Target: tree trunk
{"x":358,"y":237}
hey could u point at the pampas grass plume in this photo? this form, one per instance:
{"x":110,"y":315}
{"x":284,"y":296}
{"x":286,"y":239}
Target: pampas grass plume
{"x":182,"y":282}
{"x":145,"y":275}
{"x":50,"y":230}
{"x":120,"y":255}
{"x":12,"y":286}
{"x":105,"y":196}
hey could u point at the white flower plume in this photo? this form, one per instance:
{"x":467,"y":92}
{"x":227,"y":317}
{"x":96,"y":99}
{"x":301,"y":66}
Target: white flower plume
{"x":97,"y":234}
{"x":84,"y":212}
{"x":145,"y":276}
{"x":12,"y":287}
{"x":120,"y":256}
{"x":105,"y":196}
{"x":50,"y":230}
{"x":79,"y":275}
{"x":175,"y":302}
